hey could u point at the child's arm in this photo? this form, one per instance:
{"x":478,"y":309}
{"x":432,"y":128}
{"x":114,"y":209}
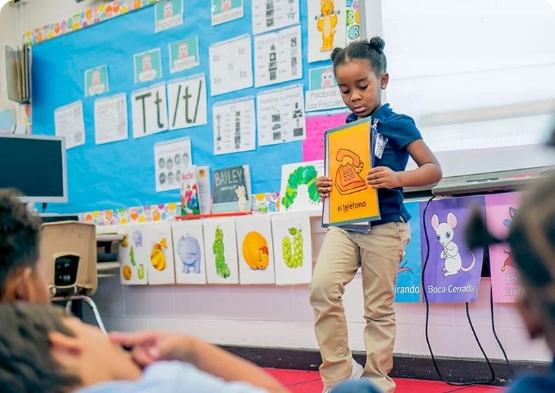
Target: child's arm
{"x":428,"y":172}
{"x":149,"y":347}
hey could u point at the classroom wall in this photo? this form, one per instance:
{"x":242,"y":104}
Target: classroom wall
{"x":270,"y":316}
{"x":9,"y":28}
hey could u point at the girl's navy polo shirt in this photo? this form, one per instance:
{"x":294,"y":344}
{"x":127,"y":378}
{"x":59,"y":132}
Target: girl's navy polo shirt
{"x":400,"y":131}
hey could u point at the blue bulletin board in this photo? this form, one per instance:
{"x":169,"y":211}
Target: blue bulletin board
{"x":122,"y":173}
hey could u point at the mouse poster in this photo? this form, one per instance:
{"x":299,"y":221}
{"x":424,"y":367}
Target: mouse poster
{"x":452,"y":273}
{"x":500,"y":209}
{"x":407,"y":288}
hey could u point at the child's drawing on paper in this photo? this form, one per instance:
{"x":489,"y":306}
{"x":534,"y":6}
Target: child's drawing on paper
{"x":327,"y":28}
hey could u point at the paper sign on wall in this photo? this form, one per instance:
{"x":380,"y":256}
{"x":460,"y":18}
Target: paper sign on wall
{"x":234,"y":126}
{"x":110,"y":119}
{"x":224,"y":11}
{"x":323,"y":92}
{"x":274,"y":14}
{"x":70,"y":123}
{"x":231,"y":65}
{"x":150,"y":111}
{"x":168,"y":14}
{"x":187,"y":102}
{"x":97,"y":81}
{"x":278,"y":56}
{"x":280,"y":115}
{"x":148,"y":66}
{"x":184,"y":54}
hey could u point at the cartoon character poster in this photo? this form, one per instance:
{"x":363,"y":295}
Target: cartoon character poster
{"x":224,"y":11}
{"x":255,"y":248}
{"x":168,"y":14}
{"x":184,"y":54}
{"x":292,"y":241}
{"x":353,"y":21}
{"x":133,"y":256}
{"x":190,"y":262}
{"x":96,"y":81}
{"x":407,"y":288}
{"x":298,"y":186}
{"x":148,"y":66}
{"x":452,"y":272}
{"x":500,"y":209}
{"x":220,"y":250}
{"x":327,"y":28}
{"x":157,"y":238}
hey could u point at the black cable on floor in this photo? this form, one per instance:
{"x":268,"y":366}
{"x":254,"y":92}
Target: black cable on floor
{"x":492,"y":379}
{"x":495,"y":334}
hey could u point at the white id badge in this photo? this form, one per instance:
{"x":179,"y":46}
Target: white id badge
{"x":381,"y":141}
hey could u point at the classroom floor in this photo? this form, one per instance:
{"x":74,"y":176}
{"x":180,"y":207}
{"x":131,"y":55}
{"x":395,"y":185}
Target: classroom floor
{"x":309,"y":382}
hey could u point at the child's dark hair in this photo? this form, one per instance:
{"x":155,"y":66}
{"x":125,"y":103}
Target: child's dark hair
{"x":19,"y":235}
{"x":362,"y":50}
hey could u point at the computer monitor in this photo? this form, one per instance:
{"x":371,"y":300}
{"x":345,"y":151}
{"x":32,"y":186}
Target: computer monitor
{"x":35,"y":165}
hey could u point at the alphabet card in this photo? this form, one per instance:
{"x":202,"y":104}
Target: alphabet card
{"x":220,"y":248}
{"x":133,"y":255}
{"x":149,"y":109}
{"x":291,"y":235}
{"x":500,"y":209}
{"x":278,"y":57}
{"x":159,"y":244}
{"x":407,"y":287}
{"x":148,"y":66}
{"x":256,"y":254}
{"x":327,"y":28}
{"x":187,"y":102}
{"x":298,"y":186}
{"x":231,"y":65}
{"x":184,"y":54}
{"x":452,"y":273}
{"x":188,"y":241}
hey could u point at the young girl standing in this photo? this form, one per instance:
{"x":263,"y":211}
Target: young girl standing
{"x":361,"y":74}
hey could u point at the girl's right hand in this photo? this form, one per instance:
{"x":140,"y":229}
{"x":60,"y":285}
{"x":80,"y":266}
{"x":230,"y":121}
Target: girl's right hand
{"x":323,"y":184}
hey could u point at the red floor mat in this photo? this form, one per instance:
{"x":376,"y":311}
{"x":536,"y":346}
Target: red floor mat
{"x":309,"y":382}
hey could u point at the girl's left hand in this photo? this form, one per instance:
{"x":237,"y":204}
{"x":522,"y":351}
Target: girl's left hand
{"x":383,"y":177}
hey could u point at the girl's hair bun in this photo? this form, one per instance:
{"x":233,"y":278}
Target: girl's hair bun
{"x":335,"y":52}
{"x":377,"y":43}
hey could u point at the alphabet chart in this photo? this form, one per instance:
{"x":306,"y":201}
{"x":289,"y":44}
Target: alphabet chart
{"x":149,"y":109}
{"x":234,"y":125}
{"x":231,"y":65}
{"x":170,"y":159}
{"x":278,"y":57}
{"x":187,"y":102}
{"x":281,"y":115}
{"x":274,"y":14}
